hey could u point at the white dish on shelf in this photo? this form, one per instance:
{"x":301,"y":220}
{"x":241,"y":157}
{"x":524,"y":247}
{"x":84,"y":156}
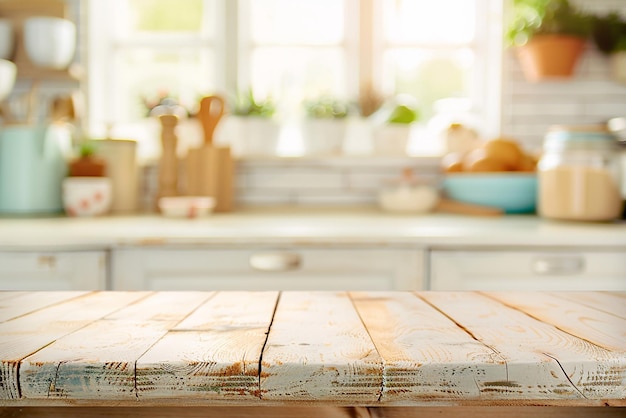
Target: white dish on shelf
{"x":50,"y":42}
{"x":186,"y":206}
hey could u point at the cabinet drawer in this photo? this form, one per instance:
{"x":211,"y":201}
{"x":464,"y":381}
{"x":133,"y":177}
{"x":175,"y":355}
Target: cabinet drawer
{"x":267,"y":269}
{"x":527,"y":270}
{"x":71,"y":270}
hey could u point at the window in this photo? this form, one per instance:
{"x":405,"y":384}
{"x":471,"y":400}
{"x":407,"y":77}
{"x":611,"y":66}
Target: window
{"x":140,"y":50}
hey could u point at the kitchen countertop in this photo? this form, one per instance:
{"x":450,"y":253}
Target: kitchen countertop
{"x":315,"y":348}
{"x":305,"y":227}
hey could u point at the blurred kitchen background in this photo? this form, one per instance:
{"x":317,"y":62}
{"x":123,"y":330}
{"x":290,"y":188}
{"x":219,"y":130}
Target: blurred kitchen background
{"x":447,"y":62}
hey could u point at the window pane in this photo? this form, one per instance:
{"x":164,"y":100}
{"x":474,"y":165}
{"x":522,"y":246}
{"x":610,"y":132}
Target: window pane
{"x":291,"y":74}
{"x":166,"y":15}
{"x":428,"y":21}
{"x":306,"y":22}
{"x":184,"y":74}
{"x":428,"y":75}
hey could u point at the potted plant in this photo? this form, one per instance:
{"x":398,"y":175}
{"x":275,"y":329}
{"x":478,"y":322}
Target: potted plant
{"x":324,"y":126}
{"x":609,"y":36}
{"x":253,"y":129}
{"x":393,"y":124}
{"x":87,"y":191}
{"x":549,"y":37}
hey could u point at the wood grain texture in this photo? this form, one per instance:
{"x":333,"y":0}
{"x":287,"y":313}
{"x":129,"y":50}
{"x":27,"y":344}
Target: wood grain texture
{"x":14,"y":304}
{"x":613,"y":303}
{"x":213,"y":354}
{"x":319,"y":349}
{"x":599,"y":327}
{"x":312,"y":349}
{"x":426,"y":355}
{"x":27,"y":334}
{"x":98,"y":361}
{"x":542,"y":361}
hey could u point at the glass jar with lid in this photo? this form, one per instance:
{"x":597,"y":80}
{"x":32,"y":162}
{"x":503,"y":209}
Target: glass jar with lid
{"x":579,"y":174}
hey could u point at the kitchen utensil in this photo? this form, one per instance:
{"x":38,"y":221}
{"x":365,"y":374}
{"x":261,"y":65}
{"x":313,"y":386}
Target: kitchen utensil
{"x":512,"y":192}
{"x":210,"y":169}
{"x":168,"y":164}
{"x":446,"y":205}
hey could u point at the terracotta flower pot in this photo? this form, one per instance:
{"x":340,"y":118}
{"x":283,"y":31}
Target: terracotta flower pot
{"x":87,"y":167}
{"x":550,"y":56}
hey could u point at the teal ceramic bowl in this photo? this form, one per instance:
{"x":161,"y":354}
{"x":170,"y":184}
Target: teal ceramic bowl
{"x":512,"y":192}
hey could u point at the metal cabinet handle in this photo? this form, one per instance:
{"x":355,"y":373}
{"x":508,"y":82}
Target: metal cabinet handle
{"x":275,"y":261}
{"x":558,"y":265}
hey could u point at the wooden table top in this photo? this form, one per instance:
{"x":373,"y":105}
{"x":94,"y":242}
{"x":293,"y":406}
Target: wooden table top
{"x":312,"y":348}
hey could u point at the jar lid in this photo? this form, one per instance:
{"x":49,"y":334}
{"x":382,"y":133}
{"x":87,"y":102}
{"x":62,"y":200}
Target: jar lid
{"x":559,"y":136}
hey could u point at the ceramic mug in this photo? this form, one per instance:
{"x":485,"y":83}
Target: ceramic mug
{"x":7,"y":39}
{"x":8,"y":72}
{"x":50,"y":42}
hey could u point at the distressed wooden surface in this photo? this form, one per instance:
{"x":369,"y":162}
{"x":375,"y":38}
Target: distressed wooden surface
{"x":312,"y":348}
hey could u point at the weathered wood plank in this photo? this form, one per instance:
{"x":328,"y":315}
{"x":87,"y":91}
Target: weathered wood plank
{"x":609,"y":302}
{"x":98,"y":361}
{"x":542,"y":361}
{"x":188,"y":412}
{"x":27,"y":334}
{"x":318,"y":349}
{"x":213,"y":354}
{"x":8,"y":294}
{"x":21,"y":303}
{"x":426,"y":355}
{"x":598,"y":327}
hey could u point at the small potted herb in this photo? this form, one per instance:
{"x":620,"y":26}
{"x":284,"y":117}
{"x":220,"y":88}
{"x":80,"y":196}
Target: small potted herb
{"x":609,"y":36}
{"x":87,"y":164}
{"x":324,"y":126}
{"x":393,"y":124}
{"x":549,"y":37}
{"x":256,"y":130}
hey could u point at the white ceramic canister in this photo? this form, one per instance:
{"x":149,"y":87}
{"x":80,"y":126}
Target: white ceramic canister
{"x":121,"y":162}
{"x":580,"y":174}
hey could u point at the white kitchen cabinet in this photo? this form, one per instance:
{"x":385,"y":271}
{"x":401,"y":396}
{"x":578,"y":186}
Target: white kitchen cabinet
{"x":53,"y":270}
{"x":536,"y":269}
{"x":267,"y":269}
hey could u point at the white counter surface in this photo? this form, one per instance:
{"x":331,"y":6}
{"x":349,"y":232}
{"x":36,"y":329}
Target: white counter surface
{"x":306,"y":227}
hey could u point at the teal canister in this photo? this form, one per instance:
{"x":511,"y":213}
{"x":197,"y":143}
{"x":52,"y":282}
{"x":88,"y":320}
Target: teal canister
{"x":33,"y":164}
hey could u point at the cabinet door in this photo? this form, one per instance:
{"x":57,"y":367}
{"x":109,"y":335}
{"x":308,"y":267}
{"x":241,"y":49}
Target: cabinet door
{"x":67,"y":270}
{"x":527,"y":270}
{"x":267,"y":269}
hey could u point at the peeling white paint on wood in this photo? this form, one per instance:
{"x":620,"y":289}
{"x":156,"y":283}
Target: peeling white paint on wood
{"x":313,"y":348}
{"x":613,"y":303}
{"x":426,"y":355}
{"x":98,"y":361}
{"x":213,"y":354}
{"x":27,"y":334}
{"x":542,"y":361}
{"x":318,"y":349}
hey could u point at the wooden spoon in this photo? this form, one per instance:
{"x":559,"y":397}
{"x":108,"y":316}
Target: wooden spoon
{"x":210,"y":113}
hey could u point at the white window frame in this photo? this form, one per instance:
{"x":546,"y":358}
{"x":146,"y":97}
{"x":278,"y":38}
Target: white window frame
{"x":362,"y":46}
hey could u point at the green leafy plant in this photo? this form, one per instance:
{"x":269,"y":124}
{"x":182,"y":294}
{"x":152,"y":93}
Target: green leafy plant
{"x":403,"y":113}
{"x":326,"y":107}
{"x":540,"y":17}
{"x":609,"y":33}
{"x":245,"y":104}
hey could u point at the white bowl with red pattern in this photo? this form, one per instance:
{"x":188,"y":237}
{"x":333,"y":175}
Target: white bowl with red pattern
{"x":87,"y":196}
{"x":186,"y":206}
